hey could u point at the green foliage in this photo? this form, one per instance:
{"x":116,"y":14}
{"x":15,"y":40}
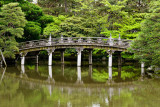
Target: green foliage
{"x":54,"y":27}
{"x":101,"y":76}
{"x":98,"y":18}
{"x":32,"y":11}
{"x":51,"y":29}
{"x":127,"y":55}
{"x":33,"y":14}
{"x":96,"y":51}
{"x":12,"y":21}
{"x":146,"y":46}
{"x":76,"y":27}
{"x":56,"y":7}
{"x":44,"y":20}
{"x":1,"y":3}
{"x":32,"y":31}
{"x":119,"y":21}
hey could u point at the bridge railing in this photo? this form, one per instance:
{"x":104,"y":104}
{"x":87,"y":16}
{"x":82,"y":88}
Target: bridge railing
{"x":34,"y":43}
{"x":80,"y":40}
{"x":76,"y":41}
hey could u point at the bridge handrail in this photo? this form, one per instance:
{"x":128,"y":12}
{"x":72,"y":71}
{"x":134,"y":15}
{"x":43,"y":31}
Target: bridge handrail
{"x":75,"y":38}
{"x":81,"y":40}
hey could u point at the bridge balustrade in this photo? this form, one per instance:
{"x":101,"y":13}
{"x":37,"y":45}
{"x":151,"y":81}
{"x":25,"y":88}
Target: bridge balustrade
{"x":76,"y":40}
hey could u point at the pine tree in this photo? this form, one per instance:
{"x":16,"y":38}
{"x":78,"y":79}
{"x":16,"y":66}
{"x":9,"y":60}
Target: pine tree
{"x":147,"y":46}
{"x":12,"y":21}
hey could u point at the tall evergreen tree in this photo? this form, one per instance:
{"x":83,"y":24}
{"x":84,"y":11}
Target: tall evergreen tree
{"x":147,"y":46}
{"x":12,"y":21}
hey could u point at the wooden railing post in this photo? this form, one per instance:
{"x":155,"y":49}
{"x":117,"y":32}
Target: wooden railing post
{"x":111,"y":40}
{"x":119,"y":40}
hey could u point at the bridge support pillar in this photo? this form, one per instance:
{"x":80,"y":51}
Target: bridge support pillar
{"x":90,"y":57}
{"x":23,"y":58}
{"x":142,"y":68}
{"x":79,"y":53}
{"x":110,"y":52}
{"x":50,"y":51}
{"x":37,"y":59}
{"x":119,"y":59}
{"x":79,"y":81}
{"x":62,"y":56}
{"x":22,"y":69}
{"x":90,"y":71}
{"x":50,"y":72}
{"x":110,"y":73}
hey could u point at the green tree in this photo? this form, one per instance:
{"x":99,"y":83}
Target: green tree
{"x":12,"y":21}
{"x":54,"y":27}
{"x":45,"y":19}
{"x":77,"y":27}
{"x":32,"y":11}
{"x":32,"y":31}
{"x":146,"y":46}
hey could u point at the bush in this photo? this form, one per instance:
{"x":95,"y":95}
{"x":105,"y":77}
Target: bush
{"x":32,"y":31}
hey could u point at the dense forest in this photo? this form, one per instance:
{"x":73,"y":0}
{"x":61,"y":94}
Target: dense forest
{"x":137,"y":20}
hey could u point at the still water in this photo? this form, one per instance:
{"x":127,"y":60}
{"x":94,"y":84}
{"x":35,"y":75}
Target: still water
{"x":70,"y":86}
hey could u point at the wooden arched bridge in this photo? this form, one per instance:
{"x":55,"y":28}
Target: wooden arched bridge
{"x":79,"y":43}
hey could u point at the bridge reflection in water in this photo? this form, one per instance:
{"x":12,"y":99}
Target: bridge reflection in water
{"x":50,"y":85}
{"x":50,"y":78}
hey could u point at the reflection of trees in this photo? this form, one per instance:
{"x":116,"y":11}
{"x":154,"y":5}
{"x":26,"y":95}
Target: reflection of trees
{"x":16,"y":93}
{"x":145,"y":95}
{"x":130,"y":72}
{"x":9,"y":95}
{"x":102,"y":76}
{"x":129,"y":75}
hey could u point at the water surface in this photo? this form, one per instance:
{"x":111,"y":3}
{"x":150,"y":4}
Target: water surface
{"x":71,"y":86}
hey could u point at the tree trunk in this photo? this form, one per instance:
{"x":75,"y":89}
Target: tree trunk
{"x":66,"y":9}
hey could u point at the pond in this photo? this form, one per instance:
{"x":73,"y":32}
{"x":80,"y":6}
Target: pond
{"x":70,"y":86}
